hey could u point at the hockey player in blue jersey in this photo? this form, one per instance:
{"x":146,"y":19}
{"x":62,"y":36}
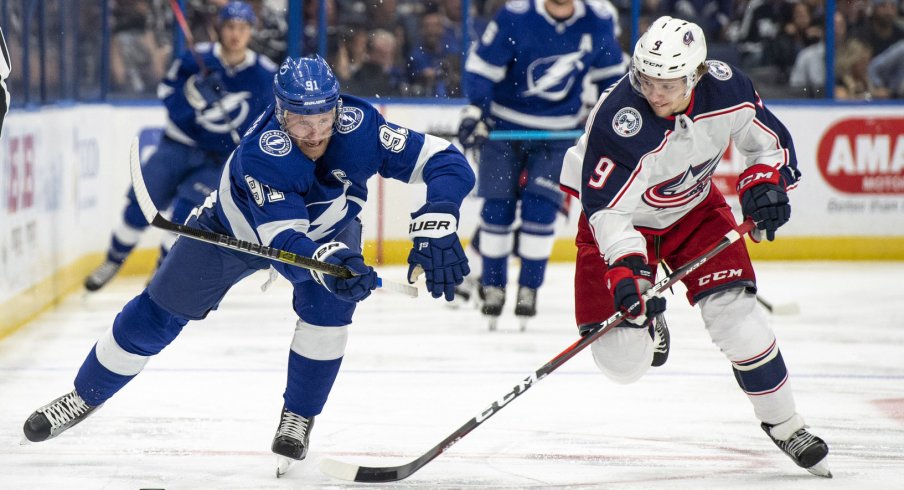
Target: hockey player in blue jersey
{"x":643,"y":173}
{"x":208,"y":107}
{"x":534,"y":63}
{"x":297,"y":182}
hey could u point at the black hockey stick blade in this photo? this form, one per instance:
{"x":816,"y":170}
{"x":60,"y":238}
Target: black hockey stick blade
{"x":377,"y":474}
{"x":153,"y":216}
{"x":791,"y":308}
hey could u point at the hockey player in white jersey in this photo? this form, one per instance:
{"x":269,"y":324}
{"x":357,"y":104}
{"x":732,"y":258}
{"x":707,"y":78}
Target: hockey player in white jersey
{"x":535,"y":64}
{"x":297,"y":182}
{"x":643,"y":171}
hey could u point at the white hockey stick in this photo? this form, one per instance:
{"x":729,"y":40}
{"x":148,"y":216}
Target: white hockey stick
{"x":382,"y":474}
{"x":790,"y":308}
{"x":149,"y":209}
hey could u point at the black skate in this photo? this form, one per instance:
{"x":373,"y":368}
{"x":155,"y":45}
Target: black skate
{"x":102,"y":275}
{"x":56,"y":417}
{"x":291,"y":440}
{"x":526,"y":306}
{"x":805,"y":449}
{"x":659,"y":330}
{"x":464,"y":292}
{"x":492,"y":300}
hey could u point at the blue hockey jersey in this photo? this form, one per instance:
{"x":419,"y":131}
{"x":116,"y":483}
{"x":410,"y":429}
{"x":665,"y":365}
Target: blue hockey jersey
{"x":634,"y":170}
{"x":529,"y":69}
{"x":271,"y":193}
{"x":249,"y":90}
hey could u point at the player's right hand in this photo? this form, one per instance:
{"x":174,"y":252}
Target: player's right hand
{"x":627,"y":279}
{"x":203,"y":91}
{"x":352,"y":289}
{"x":472,"y":130}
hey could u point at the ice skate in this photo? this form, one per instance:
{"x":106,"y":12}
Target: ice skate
{"x":56,"y":417}
{"x":805,"y":449}
{"x":661,"y":341}
{"x":102,"y":275}
{"x":291,"y":440}
{"x":465,"y":292}
{"x":526,"y":306}
{"x":492,"y":300}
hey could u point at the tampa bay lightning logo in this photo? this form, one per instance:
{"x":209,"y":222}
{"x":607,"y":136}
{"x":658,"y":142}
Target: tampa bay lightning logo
{"x":627,"y":122}
{"x":276,"y":143}
{"x":349,"y":119}
{"x":683,"y":189}
{"x":719,"y":70}
{"x":552,"y":77}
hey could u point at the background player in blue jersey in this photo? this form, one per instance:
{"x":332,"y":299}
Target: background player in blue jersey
{"x":530,"y":70}
{"x":643,"y":172}
{"x":208,"y":106}
{"x":297,"y":182}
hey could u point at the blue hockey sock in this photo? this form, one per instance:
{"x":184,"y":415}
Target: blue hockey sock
{"x":309,"y":384}
{"x":496,"y":240}
{"x":535,"y":238}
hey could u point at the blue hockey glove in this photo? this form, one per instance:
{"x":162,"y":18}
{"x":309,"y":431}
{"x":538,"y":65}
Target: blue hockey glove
{"x":627,"y":279}
{"x":472,"y":130}
{"x":763,"y":198}
{"x":353,"y":289}
{"x":437,"y":250}
{"x":203,"y":91}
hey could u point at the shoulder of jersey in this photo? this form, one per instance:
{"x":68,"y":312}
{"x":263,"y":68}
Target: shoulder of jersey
{"x":266,"y":63}
{"x":602,"y":10}
{"x":725,"y":82}
{"x":517,"y":7}
{"x":625,"y":124}
{"x":356,"y":115}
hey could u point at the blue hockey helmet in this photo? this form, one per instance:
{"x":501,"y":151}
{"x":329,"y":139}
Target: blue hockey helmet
{"x":305,"y":86}
{"x":237,"y":11}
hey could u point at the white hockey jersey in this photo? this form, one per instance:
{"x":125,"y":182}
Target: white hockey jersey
{"x":634,"y":171}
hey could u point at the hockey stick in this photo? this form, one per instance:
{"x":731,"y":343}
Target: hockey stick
{"x":190,"y":39}
{"x":153,"y":216}
{"x":791,"y":308}
{"x":369,"y":474}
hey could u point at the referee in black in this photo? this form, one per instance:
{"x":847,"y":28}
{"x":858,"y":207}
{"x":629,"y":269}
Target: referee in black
{"x":4,"y":72}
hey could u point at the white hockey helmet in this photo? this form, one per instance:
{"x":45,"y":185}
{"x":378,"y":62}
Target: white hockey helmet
{"x":671,"y":48}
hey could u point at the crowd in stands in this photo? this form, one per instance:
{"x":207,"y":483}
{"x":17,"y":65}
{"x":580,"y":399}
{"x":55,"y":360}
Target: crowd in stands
{"x":401,"y":48}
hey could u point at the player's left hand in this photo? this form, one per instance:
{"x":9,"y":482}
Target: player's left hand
{"x":472,"y":130}
{"x":202,"y":91}
{"x":352,"y":289}
{"x":437,"y":251}
{"x":764,"y":198}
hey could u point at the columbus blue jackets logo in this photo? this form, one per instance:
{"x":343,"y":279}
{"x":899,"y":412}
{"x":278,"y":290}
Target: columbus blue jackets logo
{"x":719,"y":70}
{"x":349,"y":119}
{"x":276,"y":143}
{"x":627,"y":122}
{"x":684,"y":188}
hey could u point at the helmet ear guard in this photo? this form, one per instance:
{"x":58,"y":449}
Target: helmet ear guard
{"x":671,"y":48}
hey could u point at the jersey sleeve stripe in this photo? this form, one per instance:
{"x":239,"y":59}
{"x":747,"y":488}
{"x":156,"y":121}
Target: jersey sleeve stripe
{"x":475,"y":64}
{"x":608,"y":72}
{"x":432,"y":146}
{"x":241,"y":229}
{"x":268,"y":231}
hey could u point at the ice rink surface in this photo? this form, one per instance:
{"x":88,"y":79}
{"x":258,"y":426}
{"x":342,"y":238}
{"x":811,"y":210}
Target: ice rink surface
{"x":203,"y":413}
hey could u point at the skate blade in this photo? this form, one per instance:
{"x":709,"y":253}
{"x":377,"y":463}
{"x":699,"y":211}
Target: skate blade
{"x":283,"y":464}
{"x":821,"y":469}
{"x":493,"y":323}
{"x":522,"y":322}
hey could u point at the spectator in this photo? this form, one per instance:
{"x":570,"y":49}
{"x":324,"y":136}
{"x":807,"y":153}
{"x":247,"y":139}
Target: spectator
{"x":851,"y":79}
{"x":137,"y":61}
{"x":886,"y":72}
{"x":379,"y":75}
{"x":352,"y":52}
{"x":202,"y":17}
{"x":881,"y":28}
{"x":269,"y":36}
{"x":432,"y":59}
{"x":809,"y":71}
{"x":798,"y":33}
{"x":760,"y":24}
{"x":712,"y":16}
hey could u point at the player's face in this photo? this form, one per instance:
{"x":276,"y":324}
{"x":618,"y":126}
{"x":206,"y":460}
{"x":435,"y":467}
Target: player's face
{"x":665,"y":96}
{"x":235,"y":35}
{"x":311,"y":132}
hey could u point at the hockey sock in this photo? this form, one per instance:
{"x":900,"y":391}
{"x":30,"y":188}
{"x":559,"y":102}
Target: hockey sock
{"x":536,"y":238}
{"x":496,"y":240}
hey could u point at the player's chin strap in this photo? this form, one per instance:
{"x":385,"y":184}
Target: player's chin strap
{"x":353,"y":472}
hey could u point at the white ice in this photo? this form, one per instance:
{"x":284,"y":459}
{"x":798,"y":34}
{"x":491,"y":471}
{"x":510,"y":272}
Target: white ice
{"x":203,"y":412}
